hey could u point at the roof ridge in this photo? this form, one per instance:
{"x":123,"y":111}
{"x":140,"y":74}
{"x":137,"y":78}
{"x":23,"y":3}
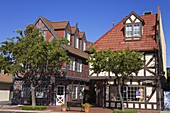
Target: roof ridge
{"x":59,"y":21}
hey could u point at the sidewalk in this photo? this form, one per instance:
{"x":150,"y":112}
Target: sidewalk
{"x":57,"y":109}
{"x":51,"y":109}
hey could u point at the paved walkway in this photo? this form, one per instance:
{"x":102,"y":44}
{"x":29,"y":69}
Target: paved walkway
{"x":51,"y":109}
{"x":57,"y":109}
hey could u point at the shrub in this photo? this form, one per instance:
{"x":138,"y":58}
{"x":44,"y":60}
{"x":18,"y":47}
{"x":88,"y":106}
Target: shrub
{"x":86,"y":105}
{"x":64,"y":105}
{"x":125,"y":111}
{"x":33,"y":108}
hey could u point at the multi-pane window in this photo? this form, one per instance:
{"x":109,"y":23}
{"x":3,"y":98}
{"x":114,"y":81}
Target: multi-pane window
{"x":129,"y":93}
{"x":133,"y":30}
{"x":133,"y":93}
{"x":128,"y":30}
{"x":75,"y":64}
{"x":136,"y":30}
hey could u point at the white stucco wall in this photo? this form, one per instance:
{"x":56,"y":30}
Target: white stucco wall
{"x":4,"y":95}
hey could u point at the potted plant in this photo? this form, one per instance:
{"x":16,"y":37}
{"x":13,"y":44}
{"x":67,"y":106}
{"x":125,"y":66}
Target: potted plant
{"x":86,"y":107}
{"x":63,"y":107}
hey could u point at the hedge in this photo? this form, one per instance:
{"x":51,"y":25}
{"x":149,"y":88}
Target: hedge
{"x":125,"y":111}
{"x":33,"y":108}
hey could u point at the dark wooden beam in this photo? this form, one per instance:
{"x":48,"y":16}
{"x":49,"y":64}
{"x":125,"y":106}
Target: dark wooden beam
{"x":133,"y":78}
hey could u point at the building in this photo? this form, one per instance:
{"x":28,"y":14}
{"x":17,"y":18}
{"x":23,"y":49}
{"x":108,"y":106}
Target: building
{"x":142,"y":33}
{"x":59,"y":89}
{"x":5,"y":87}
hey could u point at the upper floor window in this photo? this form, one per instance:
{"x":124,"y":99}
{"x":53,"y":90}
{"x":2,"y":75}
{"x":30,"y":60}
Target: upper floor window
{"x":43,"y":33}
{"x":72,"y":64}
{"x":84,"y":45}
{"x":79,"y":65}
{"x":133,"y":30}
{"x":76,"y":42}
{"x":68,"y":38}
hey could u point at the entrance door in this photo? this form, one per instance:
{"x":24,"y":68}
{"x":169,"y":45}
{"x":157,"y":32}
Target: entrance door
{"x":60,"y":94}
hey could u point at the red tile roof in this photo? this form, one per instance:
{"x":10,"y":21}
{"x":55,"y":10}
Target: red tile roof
{"x":114,"y":38}
{"x":59,"y":25}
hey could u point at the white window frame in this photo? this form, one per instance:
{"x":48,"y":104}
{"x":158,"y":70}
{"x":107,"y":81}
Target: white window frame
{"x":84,"y":45}
{"x":68,"y":38}
{"x":79,"y":65}
{"x":74,"y":92}
{"x":76,"y":42}
{"x":133,"y":30}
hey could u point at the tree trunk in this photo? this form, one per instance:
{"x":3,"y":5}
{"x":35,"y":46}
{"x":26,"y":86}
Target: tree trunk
{"x":120,"y":94}
{"x":33,"y":95}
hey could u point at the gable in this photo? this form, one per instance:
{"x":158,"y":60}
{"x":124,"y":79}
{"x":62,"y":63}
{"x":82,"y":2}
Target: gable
{"x":41,"y":25}
{"x":133,"y":18}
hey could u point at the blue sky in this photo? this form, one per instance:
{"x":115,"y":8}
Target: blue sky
{"x":95,"y":17}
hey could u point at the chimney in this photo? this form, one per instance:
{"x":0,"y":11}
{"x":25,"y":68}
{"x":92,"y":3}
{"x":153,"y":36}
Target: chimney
{"x":147,"y":13}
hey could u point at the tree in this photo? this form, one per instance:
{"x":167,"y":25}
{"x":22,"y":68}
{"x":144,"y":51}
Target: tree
{"x":168,"y":72}
{"x":123,"y":64}
{"x":32,"y":56}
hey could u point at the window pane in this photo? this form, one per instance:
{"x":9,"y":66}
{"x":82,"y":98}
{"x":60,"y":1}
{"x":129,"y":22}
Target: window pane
{"x":128,"y":30}
{"x":136,"y":30}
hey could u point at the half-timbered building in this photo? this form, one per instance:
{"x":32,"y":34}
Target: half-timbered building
{"x":142,"y":33}
{"x":68,"y":85}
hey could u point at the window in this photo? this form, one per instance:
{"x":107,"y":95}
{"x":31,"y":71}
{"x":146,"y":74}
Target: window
{"x":40,"y":91}
{"x":133,"y":93}
{"x":76,"y":42}
{"x":129,"y":93}
{"x":68,"y":38}
{"x":74,"y":92}
{"x":72,"y":64}
{"x":43,"y":32}
{"x":133,"y":30}
{"x":79,"y":65}
{"x":84,"y":45}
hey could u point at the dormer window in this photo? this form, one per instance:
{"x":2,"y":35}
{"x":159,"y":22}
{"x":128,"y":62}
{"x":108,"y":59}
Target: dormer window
{"x":133,"y":30}
{"x":76,"y":42}
{"x":68,"y":38}
{"x":133,"y":26}
{"x":84,"y":45}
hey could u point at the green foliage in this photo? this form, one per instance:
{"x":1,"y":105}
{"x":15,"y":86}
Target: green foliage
{"x":123,"y":63}
{"x":125,"y":111}
{"x":34,"y":108}
{"x":64,"y":105}
{"x":168,"y":72}
{"x":86,"y":105}
{"x":33,"y":56}
{"x":31,"y":53}
{"x":97,"y":60}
